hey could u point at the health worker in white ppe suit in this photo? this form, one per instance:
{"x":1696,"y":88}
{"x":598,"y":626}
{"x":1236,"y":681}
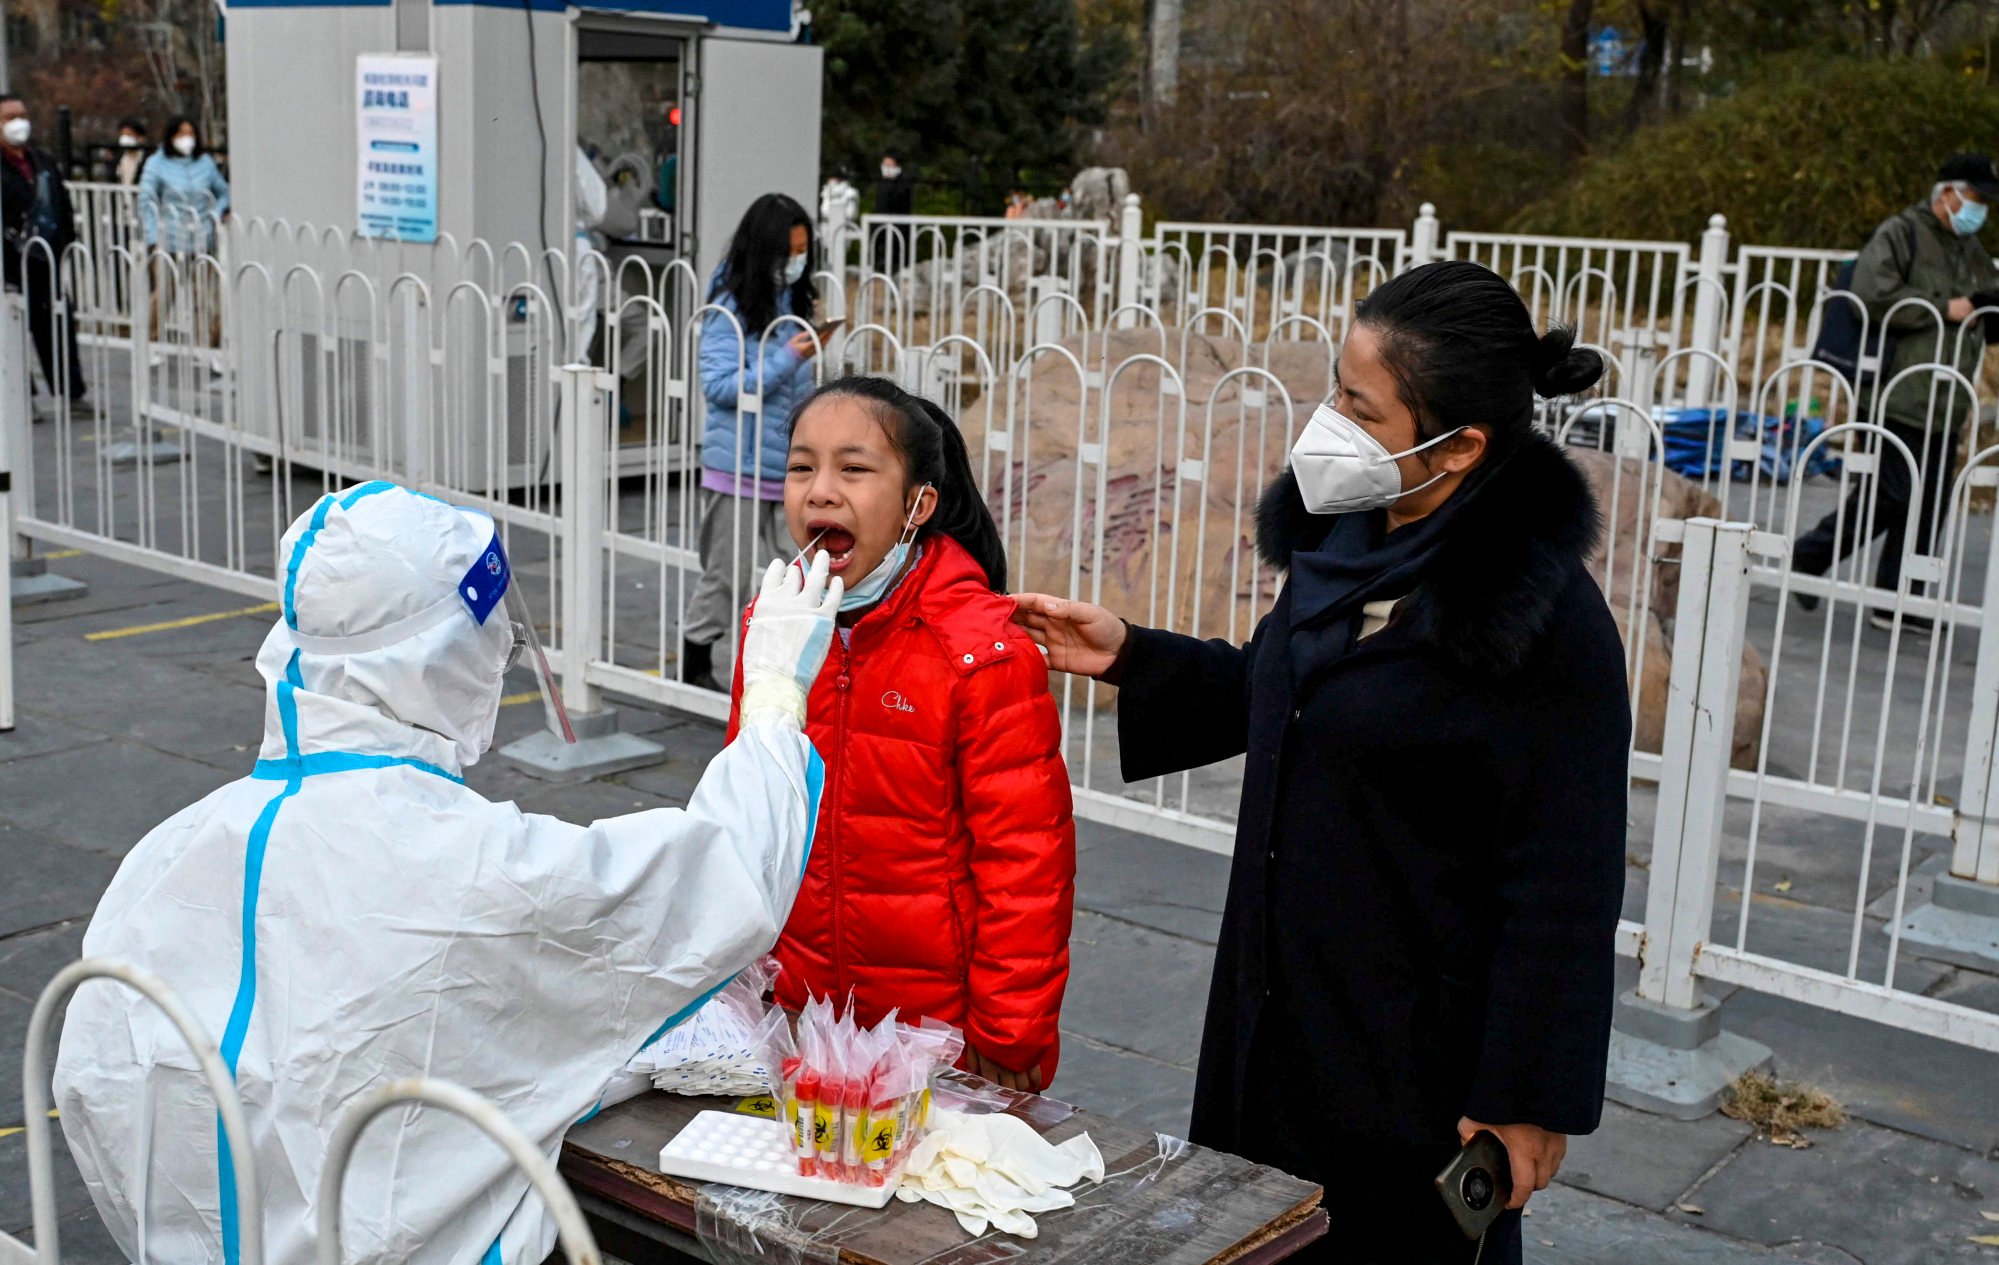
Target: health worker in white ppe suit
{"x":351,"y":912}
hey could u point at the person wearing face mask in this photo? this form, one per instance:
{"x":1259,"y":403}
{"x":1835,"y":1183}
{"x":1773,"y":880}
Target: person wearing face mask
{"x":131,"y":151}
{"x":350,"y":911}
{"x":1429,"y":861}
{"x":895,"y":195}
{"x":1928,"y":252}
{"x":182,"y":196}
{"x":182,"y":192}
{"x":39,"y":225}
{"x":944,"y":882}
{"x":757,"y":350}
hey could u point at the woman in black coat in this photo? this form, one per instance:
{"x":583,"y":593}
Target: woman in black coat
{"x":1429,"y":860}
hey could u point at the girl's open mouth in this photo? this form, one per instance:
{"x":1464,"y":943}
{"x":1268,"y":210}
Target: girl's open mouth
{"x":836,"y":542}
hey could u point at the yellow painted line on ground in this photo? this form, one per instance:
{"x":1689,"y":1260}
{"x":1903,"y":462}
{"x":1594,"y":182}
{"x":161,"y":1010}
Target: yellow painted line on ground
{"x":515,"y":700}
{"x":190,"y":621}
{"x":60,"y":554}
{"x":11,"y":1130}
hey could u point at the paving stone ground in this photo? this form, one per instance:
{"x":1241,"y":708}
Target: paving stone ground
{"x":116,"y":734}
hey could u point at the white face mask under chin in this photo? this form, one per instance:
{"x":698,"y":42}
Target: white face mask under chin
{"x":1342,"y":469}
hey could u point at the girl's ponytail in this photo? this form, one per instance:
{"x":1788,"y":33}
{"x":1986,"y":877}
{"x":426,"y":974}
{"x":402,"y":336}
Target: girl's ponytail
{"x":933,"y":448}
{"x":961,"y":512}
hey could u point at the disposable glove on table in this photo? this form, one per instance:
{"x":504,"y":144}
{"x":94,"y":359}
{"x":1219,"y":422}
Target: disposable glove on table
{"x":996,"y":1171}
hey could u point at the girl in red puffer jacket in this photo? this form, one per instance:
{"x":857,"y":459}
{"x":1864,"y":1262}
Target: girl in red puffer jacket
{"x":942,"y":877}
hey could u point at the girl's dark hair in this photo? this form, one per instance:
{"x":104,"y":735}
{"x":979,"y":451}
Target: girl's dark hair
{"x":933,"y":452}
{"x":757,"y":255}
{"x":173,"y":126}
{"x":130,"y":124}
{"x":1464,"y":352}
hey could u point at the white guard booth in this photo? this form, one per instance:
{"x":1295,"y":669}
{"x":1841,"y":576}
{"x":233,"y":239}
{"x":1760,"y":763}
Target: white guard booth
{"x":406,"y":133}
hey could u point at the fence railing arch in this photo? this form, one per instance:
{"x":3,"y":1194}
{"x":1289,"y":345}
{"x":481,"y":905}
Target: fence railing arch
{"x":214,"y":1072}
{"x":572,"y":1232}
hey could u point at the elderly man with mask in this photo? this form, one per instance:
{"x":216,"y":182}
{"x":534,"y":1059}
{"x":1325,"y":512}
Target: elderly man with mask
{"x":351,"y":912}
{"x":1928,"y":252}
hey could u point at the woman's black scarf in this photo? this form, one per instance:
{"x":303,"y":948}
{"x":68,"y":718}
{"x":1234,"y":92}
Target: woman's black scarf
{"x":1361,"y":561}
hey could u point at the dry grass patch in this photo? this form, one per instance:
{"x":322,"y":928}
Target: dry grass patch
{"x":1782,"y":1110}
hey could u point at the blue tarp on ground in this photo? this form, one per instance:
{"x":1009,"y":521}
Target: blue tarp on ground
{"x":1693,"y":439}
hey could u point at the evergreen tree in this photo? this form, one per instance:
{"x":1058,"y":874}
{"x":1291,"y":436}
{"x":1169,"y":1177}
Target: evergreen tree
{"x":971,"y":93}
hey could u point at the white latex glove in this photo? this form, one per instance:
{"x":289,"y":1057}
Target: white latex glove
{"x":996,"y":1170}
{"x":791,"y":628}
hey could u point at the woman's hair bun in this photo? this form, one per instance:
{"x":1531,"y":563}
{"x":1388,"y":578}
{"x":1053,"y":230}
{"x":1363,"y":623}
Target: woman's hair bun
{"x":1561,"y":367}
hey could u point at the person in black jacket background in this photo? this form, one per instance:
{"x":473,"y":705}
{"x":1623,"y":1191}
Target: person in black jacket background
{"x":1419,"y":936}
{"x":34,"y":203}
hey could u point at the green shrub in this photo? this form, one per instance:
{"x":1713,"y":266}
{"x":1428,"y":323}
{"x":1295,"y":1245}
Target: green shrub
{"x":1813,"y":154}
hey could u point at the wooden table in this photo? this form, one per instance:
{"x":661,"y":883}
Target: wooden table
{"x":1162,"y":1202}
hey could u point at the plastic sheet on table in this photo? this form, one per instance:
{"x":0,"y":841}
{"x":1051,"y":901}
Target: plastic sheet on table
{"x":756,"y":1227}
{"x":961,"y":1091}
{"x":752,"y":1227}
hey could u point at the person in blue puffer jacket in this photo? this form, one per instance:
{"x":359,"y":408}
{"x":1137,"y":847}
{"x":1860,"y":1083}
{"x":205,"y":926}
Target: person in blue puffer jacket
{"x":749,"y":352}
{"x":181,"y":191}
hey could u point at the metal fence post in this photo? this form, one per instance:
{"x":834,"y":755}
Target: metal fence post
{"x":1708,"y":294}
{"x":583,"y":432}
{"x":6,"y":583}
{"x":29,"y":580}
{"x":141,"y":384}
{"x":1976,"y":856}
{"x":1668,"y":1052}
{"x":833,"y":234}
{"x":16,"y":411}
{"x":1961,"y":921}
{"x":1130,"y":261}
{"x":1046,"y":317}
{"x":1638,"y":367}
{"x":582,"y":532}
{"x":1423,"y":237}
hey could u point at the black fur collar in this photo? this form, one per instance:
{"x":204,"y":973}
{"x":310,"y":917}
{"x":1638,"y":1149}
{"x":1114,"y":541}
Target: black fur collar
{"x":1493,"y":585}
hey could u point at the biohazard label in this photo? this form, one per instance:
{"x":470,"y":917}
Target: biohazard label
{"x":880,"y":1142}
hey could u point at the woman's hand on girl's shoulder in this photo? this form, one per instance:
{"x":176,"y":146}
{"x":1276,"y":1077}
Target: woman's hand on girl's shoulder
{"x":1078,"y":637}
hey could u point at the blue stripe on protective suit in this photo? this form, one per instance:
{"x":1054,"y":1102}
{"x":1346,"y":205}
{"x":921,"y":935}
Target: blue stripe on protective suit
{"x":320,"y":762}
{"x":367,"y":489}
{"x":346,"y":500}
{"x":298,"y":556}
{"x":292,"y":770}
{"x":246,"y":978}
{"x":815,"y":786}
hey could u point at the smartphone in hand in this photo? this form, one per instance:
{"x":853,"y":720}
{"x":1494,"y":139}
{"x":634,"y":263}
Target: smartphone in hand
{"x":1476,"y":1186}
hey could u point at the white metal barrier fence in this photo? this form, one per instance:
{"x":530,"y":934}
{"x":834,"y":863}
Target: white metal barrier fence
{"x":573,"y":1233}
{"x":35,"y":1102}
{"x":1695,"y":858}
{"x":1124,"y":401}
{"x":577,"y":1243}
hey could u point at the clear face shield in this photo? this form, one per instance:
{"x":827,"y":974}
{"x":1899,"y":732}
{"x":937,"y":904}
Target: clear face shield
{"x":489,"y":584}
